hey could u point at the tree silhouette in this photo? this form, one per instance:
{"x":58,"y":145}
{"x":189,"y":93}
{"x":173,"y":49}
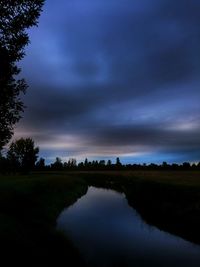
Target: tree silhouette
{"x":109,"y":163}
{"x":57,"y":165}
{"x":22,"y":154}
{"x":118,"y":163}
{"x":16,"y":16}
{"x":71,"y":163}
{"x":40,"y":165}
{"x":86,"y":162}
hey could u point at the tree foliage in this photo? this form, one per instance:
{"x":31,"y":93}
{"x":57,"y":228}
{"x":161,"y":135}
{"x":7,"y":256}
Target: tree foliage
{"x":57,"y":165}
{"x":40,"y":165}
{"x":16,"y":16}
{"x":22,"y":154}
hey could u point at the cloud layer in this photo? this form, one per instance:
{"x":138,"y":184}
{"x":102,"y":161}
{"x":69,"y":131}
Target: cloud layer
{"x":116,"y":77}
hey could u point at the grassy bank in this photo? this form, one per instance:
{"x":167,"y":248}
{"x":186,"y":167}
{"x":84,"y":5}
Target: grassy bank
{"x":29,"y":206}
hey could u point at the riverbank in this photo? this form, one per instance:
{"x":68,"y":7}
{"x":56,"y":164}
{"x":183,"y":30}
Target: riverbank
{"x":169,"y":200}
{"x":29,"y":206}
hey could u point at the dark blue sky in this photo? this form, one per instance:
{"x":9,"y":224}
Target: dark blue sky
{"x":115,"y":78}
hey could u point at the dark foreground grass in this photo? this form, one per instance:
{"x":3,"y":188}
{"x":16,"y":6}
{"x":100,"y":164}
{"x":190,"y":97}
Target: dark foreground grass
{"x":29,"y":206}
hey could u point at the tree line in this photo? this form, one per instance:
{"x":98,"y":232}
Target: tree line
{"x":22,"y":156}
{"x":96,"y":165}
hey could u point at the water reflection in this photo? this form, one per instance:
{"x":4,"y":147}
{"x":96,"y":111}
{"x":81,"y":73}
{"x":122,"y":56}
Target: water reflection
{"x":108,"y":232}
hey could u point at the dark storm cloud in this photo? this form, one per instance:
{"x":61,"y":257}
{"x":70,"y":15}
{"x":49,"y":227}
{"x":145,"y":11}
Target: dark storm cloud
{"x":158,"y":46}
{"x":116,"y":73}
{"x":140,"y":49}
{"x":149,"y":135}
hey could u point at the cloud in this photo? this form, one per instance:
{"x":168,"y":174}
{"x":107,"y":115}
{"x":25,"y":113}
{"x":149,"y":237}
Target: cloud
{"x":118,"y":75}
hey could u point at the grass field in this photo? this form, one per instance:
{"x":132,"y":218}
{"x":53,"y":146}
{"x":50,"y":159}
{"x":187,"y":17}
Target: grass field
{"x":29,"y":206}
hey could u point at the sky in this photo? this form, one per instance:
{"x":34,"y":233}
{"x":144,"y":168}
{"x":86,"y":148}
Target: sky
{"x":114,"y":78}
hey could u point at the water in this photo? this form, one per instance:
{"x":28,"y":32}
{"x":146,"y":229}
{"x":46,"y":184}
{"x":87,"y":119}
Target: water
{"x":108,"y":232}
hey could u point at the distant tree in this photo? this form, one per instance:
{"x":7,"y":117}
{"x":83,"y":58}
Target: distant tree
{"x":22,"y":154}
{"x":102,"y":163}
{"x":165,"y":165}
{"x":86,"y":162}
{"x":186,"y":165}
{"x":96,"y":164}
{"x":175,"y":166}
{"x":57,"y":165}
{"x":65,"y":165}
{"x":93,"y":164}
{"x":81,"y":165}
{"x":152,"y":166}
{"x":109,"y":164}
{"x":16,"y":16}
{"x":193,"y":166}
{"x":118,"y":163}
{"x":40,"y":164}
{"x":71,"y":163}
